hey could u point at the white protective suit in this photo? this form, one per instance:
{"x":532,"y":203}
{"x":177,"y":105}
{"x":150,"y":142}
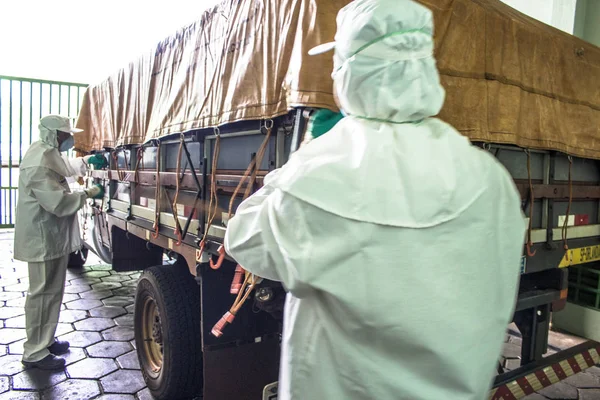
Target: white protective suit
{"x":46,"y":222}
{"x":399,"y":242}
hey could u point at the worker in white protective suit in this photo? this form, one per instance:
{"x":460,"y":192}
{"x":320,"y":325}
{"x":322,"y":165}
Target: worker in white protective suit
{"x":398,"y":242}
{"x":46,"y":232}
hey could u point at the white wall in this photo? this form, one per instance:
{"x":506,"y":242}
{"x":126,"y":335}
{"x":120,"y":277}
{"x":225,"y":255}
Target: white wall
{"x":557,"y":13}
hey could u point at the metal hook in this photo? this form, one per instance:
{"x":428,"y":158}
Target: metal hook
{"x":221,"y":252}
{"x":217,"y":131}
{"x":269,"y":124}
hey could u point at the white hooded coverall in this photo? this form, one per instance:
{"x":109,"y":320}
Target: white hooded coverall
{"x":46,"y":233}
{"x":399,"y":242}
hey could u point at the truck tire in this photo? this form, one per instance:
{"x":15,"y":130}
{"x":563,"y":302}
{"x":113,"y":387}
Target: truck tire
{"x":101,"y":250}
{"x":167,"y":332}
{"x":78,"y":258}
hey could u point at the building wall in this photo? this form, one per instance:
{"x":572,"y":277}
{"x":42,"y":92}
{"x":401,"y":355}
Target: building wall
{"x":587,"y":21}
{"x":557,"y":13}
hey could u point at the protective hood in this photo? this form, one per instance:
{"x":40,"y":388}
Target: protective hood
{"x":403,"y":175}
{"x":383,"y":65}
{"x":44,"y":152}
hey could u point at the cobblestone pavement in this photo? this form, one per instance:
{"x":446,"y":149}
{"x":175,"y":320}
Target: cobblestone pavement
{"x":97,"y":319}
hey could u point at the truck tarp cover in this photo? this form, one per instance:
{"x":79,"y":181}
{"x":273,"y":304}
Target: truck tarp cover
{"x":509,"y":78}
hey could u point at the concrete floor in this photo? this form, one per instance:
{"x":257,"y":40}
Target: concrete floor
{"x":97,"y":319}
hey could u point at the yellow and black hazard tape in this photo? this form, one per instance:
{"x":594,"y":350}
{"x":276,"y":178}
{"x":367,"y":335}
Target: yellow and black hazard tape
{"x":540,"y":379}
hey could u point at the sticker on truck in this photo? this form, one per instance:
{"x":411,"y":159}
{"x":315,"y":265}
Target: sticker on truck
{"x":582,"y":255}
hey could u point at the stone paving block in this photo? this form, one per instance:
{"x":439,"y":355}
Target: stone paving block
{"x":115,"y":278}
{"x":123,"y":381}
{"x":103,"y":267}
{"x":16,"y":347}
{"x":132,"y":342}
{"x":106,"y":285}
{"x":15,"y":322}
{"x":92,"y":368}
{"x":129,"y":361}
{"x":124,"y":291}
{"x":11,"y":335}
{"x":131,"y":283}
{"x":594,"y":371}
{"x":583,"y":380}
{"x":70,"y":316}
{"x":130,"y":309}
{"x":10,"y":295}
{"x":85,"y":281}
{"x":11,"y":364}
{"x":73,"y":389}
{"x":67,"y":297}
{"x":511,"y":350}
{"x":560,"y":391}
{"x":17,"y":287}
{"x":535,"y":396}
{"x":63,"y":329}
{"x":19,"y":396}
{"x":37,"y":379}
{"x":4,"y":384}
{"x":120,"y":333}
{"x":589,"y":394}
{"x":20,"y":302}
{"x":118,"y":301}
{"x":84,"y":304}
{"x":77,"y":288}
{"x":145,"y":395}
{"x":82,"y":339}
{"x":115,"y":397}
{"x":109,"y":349}
{"x":125,"y":320}
{"x":135,"y":275}
{"x":75,"y":354}
{"x":9,"y":312}
{"x":94,"y":324}
{"x":96,"y":294}
{"x":107,"y":312}
{"x":3,"y":350}
{"x":97,"y":274}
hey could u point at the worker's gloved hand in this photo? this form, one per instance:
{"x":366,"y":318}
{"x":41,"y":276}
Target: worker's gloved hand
{"x":96,"y":160}
{"x":95,"y":192}
{"x":322,"y":121}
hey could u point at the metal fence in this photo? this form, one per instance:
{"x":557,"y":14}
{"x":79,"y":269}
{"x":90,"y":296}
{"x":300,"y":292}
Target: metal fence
{"x":22,"y":103}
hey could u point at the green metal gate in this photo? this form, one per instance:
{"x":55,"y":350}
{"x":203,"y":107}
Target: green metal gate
{"x":22,"y":103}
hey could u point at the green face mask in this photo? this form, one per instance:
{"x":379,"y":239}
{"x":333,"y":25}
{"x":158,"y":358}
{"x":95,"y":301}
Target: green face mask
{"x":322,"y":121}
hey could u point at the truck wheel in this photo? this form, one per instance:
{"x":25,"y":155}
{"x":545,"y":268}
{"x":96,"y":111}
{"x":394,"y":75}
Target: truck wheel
{"x":167,"y":332}
{"x":78,"y":258}
{"x":101,"y":250}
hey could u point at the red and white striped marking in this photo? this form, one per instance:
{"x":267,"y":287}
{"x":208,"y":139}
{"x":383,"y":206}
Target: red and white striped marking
{"x":550,"y":375}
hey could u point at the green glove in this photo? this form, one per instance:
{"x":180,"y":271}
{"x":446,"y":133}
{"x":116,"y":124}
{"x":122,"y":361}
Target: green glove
{"x":95,"y":192}
{"x":322,"y":121}
{"x":98,"y":161}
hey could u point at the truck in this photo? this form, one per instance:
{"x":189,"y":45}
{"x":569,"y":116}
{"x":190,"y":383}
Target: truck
{"x":191,"y":129}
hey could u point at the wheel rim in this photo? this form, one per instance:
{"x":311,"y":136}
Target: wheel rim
{"x":152,"y":337}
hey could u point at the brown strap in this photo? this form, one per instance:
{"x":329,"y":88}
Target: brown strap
{"x":565,"y":227}
{"x":530,"y":253}
{"x":251,"y":171}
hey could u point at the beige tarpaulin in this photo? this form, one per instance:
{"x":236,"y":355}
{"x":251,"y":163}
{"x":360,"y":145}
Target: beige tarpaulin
{"x":509,"y":79}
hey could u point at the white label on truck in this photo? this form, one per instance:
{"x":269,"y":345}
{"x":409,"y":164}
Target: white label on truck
{"x":147,"y":235}
{"x":225,"y":218}
{"x":144,"y":201}
{"x":561,"y":220}
{"x":152,"y":204}
{"x":180,"y":210}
